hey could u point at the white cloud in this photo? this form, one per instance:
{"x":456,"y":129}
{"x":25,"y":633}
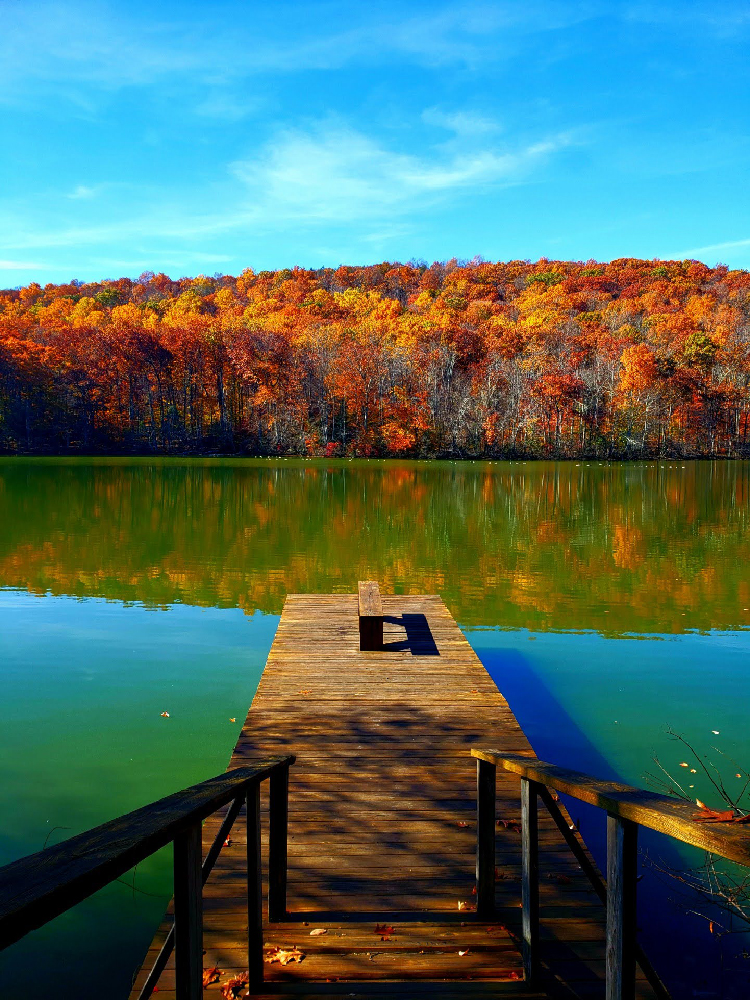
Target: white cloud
{"x":327,"y":177}
{"x":698,"y":252}
{"x":336,"y":173}
{"x":723,"y":20}
{"x":81,"y":49}
{"x":82,"y":191}
{"x":19,"y":265}
{"x":462,"y":123}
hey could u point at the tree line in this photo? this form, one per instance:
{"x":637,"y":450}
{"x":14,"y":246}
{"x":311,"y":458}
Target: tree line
{"x":456,"y":359}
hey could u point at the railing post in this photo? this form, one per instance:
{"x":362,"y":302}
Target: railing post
{"x":485,"y":873}
{"x":530,"y":877}
{"x":277,"y":842}
{"x":188,"y":914}
{"x":622,"y":855}
{"x":254,"y":889}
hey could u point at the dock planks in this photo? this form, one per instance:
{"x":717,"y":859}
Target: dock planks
{"x":382,"y":820}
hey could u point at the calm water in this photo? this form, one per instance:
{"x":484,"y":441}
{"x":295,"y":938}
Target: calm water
{"x":607,"y":601}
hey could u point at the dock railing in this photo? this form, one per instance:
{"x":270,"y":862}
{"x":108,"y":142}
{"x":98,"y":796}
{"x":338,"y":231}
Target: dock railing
{"x":627,"y":808}
{"x":38,"y":888}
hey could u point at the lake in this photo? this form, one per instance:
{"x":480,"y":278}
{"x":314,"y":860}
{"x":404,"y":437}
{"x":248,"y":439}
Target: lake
{"x":608,"y":601}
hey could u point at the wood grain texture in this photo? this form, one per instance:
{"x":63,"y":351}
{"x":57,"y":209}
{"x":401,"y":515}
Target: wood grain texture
{"x":382,"y":820}
{"x":35,"y":889}
{"x":370,"y":616}
{"x":658,"y":812}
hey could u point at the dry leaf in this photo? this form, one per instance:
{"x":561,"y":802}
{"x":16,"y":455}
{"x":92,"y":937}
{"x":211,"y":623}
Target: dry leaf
{"x":165,"y":715}
{"x":385,"y":931}
{"x":462,"y":822}
{"x":462,"y":953}
{"x":706,"y":815}
{"x":283,"y":955}
{"x":211,"y":975}
{"x":232,"y":720}
{"x":684,"y":763}
{"x":232,"y":987}
{"x":318,"y":931}
{"x":228,"y":842}
{"x":560,"y":878}
{"x":510,"y":824}
{"x":466,"y":906}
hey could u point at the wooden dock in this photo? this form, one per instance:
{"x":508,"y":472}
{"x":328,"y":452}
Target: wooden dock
{"x":382,"y":824}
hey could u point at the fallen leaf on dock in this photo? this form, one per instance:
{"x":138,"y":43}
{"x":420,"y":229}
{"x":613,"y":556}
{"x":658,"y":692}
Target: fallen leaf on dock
{"x":318,"y":931}
{"x":385,"y":931}
{"x":211,"y":975}
{"x":228,"y":842}
{"x":510,"y":824}
{"x":706,"y":815}
{"x":466,"y":906}
{"x":165,"y":715}
{"x":462,"y":822}
{"x":231,"y":988}
{"x":462,"y":953}
{"x":283,"y":955}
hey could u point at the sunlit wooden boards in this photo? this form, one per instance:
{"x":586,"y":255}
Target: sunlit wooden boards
{"x":382,"y":819}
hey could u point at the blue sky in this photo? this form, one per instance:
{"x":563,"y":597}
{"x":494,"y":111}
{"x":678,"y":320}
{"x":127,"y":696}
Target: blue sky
{"x":194,"y":137}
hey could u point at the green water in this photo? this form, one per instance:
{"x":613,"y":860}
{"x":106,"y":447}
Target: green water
{"x":607,"y":601}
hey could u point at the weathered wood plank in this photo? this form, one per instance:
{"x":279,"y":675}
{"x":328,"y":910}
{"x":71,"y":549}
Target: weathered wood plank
{"x":370,"y":616}
{"x":37,"y":888}
{"x":381,"y":824}
{"x":658,"y":812}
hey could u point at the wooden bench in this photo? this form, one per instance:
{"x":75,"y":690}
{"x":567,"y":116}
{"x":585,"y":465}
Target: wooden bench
{"x":370,"y":616}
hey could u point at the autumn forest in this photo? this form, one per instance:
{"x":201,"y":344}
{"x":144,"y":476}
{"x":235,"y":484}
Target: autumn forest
{"x":459,"y":359}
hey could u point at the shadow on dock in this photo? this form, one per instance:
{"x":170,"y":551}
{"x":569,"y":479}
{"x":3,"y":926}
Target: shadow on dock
{"x":419,"y":640}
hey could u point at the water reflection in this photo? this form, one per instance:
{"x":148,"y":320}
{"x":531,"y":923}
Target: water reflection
{"x":652,"y":547}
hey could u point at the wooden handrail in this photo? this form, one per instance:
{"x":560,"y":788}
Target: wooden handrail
{"x":626,"y":807}
{"x":662,"y":813}
{"x":39,"y":887}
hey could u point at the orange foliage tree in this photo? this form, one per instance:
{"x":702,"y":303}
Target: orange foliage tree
{"x":552,"y":358}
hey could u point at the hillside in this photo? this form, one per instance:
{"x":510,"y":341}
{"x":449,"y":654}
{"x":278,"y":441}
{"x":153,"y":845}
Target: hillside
{"x":551,"y":358}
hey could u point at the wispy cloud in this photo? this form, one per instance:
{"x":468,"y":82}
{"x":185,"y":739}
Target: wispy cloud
{"x":329,"y":178}
{"x":20,"y":265}
{"x":460,"y":123}
{"x":722,"y":20}
{"x":711,"y":248}
{"x":335,"y":173}
{"x":94,"y":48}
{"x":82,"y":191}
